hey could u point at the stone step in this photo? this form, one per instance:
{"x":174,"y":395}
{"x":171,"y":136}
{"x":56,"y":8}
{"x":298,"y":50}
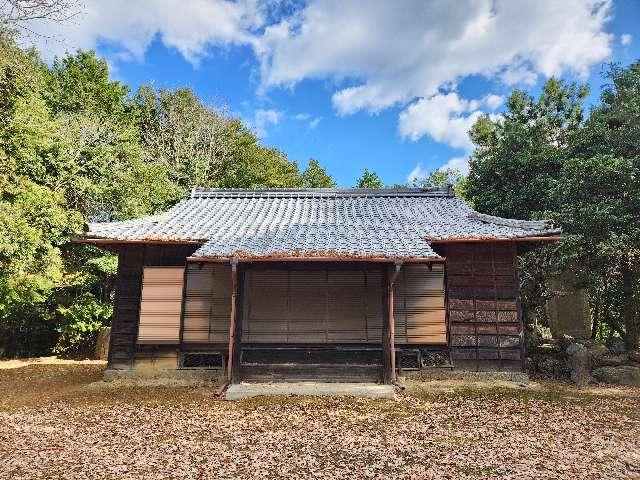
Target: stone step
{"x":367,"y":390}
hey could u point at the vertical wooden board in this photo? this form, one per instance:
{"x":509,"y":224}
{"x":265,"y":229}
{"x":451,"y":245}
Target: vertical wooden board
{"x":374,"y":289}
{"x":346,"y":306}
{"x":220,"y":310}
{"x":207,"y":303}
{"x":161,"y":305}
{"x":308,"y":300}
{"x":266,"y":306}
{"x":419,"y":308}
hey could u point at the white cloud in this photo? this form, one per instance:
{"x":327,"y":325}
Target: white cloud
{"x":518,"y":74}
{"x":458,"y":163}
{"x":420,"y":173}
{"x":447,"y":119}
{"x":264,"y":118}
{"x":444,"y":117}
{"x":417,"y":174}
{"x":312,"y":122}
{"x":626,"y":39}
{"x":392,"y":55}
{"x":189,"y":27}
{"x":377,"y":55}
{"x":493,"y":101}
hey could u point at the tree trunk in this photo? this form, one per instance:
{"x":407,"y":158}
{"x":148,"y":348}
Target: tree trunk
{"x":632,"y":328}
{"x":596,"y":318}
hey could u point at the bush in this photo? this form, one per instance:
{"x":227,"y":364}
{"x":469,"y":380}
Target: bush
{"x":82,"y":323}
{"x":27,"y":331}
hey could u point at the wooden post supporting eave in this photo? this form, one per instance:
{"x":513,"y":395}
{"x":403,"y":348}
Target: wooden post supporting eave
{"x":235,"y":328}
{"x":388,"y":327}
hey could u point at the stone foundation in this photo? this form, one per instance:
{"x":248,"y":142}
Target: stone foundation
{"x":446,"y":374}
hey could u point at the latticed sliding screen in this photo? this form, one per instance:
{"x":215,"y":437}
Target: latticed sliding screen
{"x":419,"y":309}
{"x":207,"y":304}
{"x":312,"y":306}
{"x":160,"y":305}
{"x":341,"y":306}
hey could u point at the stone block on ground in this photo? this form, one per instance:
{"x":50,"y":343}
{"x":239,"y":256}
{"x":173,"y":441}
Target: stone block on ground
{"x":568,"y":307}
{"x":579,"y":360}
{"x":551,"y":366}
{"x":621,"y":375}
{"x":616,"y":345}
{"x":612,"y":360}
{"x":366,"y":390}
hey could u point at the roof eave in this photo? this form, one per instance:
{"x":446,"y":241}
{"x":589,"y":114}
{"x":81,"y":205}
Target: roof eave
{"x":549,"y":238}
{"x":314,"y":258}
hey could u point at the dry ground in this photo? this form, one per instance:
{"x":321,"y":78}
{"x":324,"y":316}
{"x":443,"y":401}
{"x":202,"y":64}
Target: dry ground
{"x":54,"y":423}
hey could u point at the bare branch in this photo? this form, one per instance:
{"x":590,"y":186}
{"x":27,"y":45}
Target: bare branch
{"x":15,"y":13}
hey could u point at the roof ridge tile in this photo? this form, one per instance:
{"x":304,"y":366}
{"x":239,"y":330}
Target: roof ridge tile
{"x":200,"y":192}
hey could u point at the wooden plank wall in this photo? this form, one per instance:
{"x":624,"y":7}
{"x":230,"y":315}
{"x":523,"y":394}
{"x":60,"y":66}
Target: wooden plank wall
{"x":128,"y":290}
{"x":124,"y":324}
{"x":484,"y":321}
{"x":207,"y":304}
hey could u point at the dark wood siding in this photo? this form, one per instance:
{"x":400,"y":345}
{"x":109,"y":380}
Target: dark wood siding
{"x":126,"y":313}
{"x":124,"y":325}
{"x":484,"y":321}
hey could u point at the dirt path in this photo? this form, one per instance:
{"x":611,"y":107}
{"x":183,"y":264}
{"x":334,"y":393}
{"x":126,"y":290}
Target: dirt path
{"x":56,"y":422}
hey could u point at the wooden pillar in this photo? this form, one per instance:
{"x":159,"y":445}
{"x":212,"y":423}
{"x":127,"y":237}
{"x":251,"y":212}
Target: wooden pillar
{"x":388,"y":331}
{"x":235,"y":325}
{"x":389,"y":325}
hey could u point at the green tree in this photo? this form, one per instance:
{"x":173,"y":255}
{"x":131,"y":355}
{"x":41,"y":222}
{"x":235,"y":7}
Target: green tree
{"x":69,"y":151}
{"x":544,"y":159}
{"x":599,"y":200}
{"x":199,"y":145}
{"x":76,"y":147}
{"x":599,"y":194}
{"x":518,"y":157}
{"x":316,"y":176}
{"x":369,"y":180}
{"x":442,"y":177}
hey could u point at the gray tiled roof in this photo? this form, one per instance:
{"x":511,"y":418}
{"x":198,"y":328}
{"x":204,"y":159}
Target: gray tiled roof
{"x":319,"y":222}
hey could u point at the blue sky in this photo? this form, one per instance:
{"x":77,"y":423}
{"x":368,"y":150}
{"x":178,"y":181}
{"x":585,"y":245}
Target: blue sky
{"x":356,"y":83}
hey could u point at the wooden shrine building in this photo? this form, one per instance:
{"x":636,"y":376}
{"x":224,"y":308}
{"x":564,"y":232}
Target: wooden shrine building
{"x":317,"y":283}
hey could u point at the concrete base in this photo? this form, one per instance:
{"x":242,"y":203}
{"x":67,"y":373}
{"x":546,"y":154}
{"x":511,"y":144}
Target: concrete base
{"x":366,"y":390}
{"x":446,"y":374}
{"x":165,"y":374}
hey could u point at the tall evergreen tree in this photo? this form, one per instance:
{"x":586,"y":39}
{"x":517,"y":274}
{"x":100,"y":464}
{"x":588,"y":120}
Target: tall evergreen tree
{"x":369,"y":180}
{"x":316,"y":176}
